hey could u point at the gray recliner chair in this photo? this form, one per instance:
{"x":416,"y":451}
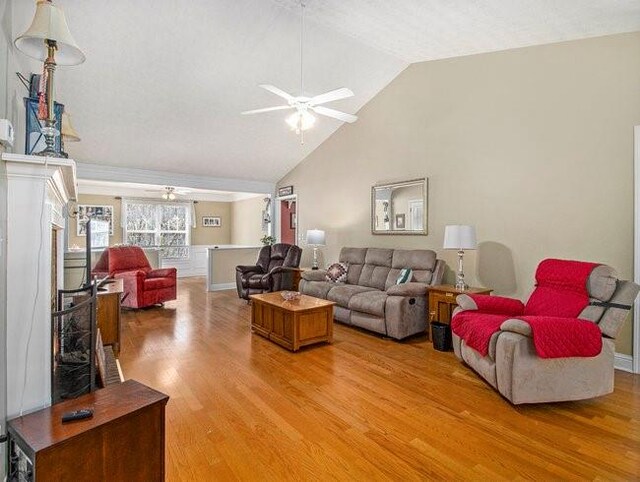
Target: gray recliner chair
{"x":272,"y":271}
{"x":512,"y":365}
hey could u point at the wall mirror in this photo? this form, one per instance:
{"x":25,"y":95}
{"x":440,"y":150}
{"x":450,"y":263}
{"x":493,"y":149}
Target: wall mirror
{"x":399,"y":208}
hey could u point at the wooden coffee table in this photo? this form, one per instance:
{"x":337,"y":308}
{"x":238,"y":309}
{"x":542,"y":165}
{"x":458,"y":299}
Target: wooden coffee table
{"x":292,"y":324}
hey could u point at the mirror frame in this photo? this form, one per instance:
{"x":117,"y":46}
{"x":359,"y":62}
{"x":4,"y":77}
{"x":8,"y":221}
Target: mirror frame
{"x":424,"y":182}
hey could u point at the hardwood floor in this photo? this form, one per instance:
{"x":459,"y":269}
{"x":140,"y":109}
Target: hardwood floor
{"x":363,"y":408}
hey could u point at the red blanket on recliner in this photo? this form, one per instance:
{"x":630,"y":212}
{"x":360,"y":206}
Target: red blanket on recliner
{"x":551,"y":312}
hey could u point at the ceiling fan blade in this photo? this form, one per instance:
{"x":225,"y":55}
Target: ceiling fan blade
{"x":330,"y":96}
{"x":267,"y":109}
{"x":336,"y":114}
{"x":278,"y":92}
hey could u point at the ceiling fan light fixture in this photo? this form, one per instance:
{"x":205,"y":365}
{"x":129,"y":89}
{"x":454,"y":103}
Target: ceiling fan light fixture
{"x":301,"y":121}
{"x":169,"y":195}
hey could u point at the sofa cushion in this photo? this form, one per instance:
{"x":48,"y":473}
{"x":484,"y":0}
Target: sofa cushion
{"x":374,"y":276}
{"x":379,"y":257}
{"x":371,"y":302}
{"x":341,"y":294}
{"x":337,"y":273}
{"x":317,"y":289}
{"x":421,"y":261}
{"x":354,"y":257}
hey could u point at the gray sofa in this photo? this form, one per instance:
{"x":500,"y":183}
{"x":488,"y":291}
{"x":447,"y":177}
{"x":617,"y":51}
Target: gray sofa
{"x":370,"y":298}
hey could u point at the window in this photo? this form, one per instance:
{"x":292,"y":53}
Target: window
{"x":165,"y":225}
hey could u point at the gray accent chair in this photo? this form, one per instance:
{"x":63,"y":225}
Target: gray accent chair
{"x":514,"y":369}
{"x":370,"y":298}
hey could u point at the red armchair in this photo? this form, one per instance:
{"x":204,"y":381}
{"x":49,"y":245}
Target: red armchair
{"x":143,"y":286}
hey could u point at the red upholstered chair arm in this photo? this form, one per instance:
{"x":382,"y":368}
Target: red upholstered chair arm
{"x":495,"y":305}
{"x":162,"y":273}
{"x":133,"y":284}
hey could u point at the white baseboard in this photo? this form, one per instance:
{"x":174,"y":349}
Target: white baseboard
{"x":623,"y":362}
{"x":222,"y":286}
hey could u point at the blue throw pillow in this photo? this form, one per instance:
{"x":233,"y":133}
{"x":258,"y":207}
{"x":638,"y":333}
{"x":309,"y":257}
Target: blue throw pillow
{"x":405,"y":276}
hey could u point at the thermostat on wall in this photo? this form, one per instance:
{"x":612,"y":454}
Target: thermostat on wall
{"x":6,"y":133}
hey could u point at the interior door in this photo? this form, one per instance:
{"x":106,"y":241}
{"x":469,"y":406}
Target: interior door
{"x":288,"y":221}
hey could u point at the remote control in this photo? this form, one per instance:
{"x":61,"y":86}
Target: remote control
{"x":77,"y":415}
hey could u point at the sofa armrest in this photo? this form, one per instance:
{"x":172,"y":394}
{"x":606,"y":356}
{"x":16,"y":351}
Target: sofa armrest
{"x":408,"y":289}
{"x":163,"y":273}
{"x":516,"y":326}
{"x":495,"y":305}
{"x":248,"y":269}
{"x":314,"y":275}
{"x":281,"y":269}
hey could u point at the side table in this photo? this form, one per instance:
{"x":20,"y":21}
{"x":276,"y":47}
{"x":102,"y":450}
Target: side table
{"x":442,"y":301}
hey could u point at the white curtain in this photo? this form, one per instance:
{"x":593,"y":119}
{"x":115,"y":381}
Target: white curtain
{"x":191,"y":213}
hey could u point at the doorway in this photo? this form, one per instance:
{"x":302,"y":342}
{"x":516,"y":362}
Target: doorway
{"x":635,"y":360}
{"x":288,"y":217}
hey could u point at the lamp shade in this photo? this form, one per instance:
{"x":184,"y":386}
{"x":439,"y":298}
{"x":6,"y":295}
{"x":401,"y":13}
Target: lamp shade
{"x":49,"y":23}
{"x":69,"y":134}
{"x":315,"y":237}
{"x":460,"y":236}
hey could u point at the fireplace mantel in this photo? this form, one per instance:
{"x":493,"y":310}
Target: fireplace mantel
{"x":37,"y":190}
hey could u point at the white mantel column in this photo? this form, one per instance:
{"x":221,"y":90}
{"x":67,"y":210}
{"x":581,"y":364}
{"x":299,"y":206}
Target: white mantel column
{"x":38,"y":189}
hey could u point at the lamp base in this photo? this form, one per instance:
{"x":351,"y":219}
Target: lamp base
{"x":462,"y":286}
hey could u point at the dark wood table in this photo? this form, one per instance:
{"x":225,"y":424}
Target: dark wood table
{"x":108,"y":313}
{"x":123,"y":441}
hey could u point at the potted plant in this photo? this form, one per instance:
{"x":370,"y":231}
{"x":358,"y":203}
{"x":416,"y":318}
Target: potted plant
{"x":267,"y":240}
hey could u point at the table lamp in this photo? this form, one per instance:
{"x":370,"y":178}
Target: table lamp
{"x":460,"y":237}
{"x":315,"y":238}
{"x":48,"y":39}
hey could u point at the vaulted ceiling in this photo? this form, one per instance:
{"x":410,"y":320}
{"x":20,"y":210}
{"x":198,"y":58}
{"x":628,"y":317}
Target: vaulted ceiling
{"x":165,"y":80}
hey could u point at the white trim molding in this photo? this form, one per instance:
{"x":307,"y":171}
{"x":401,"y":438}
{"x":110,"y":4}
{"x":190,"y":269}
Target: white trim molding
{"x":623,"y":362}
{"x":635,"y":358}
{"x":97,"y":172}
{"x":222,"y":286}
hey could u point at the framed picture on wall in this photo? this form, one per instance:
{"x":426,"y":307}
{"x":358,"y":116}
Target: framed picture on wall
{"x":400,"y":221}
{"x":211,"y":221}
{"x":92,"y":211}
{"x":285,"y":191}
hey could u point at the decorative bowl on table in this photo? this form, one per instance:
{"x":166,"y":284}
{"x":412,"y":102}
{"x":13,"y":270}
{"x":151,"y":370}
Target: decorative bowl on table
{"x":290,"y":295}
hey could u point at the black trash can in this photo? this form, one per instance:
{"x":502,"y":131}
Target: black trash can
{"x":441,"y":336}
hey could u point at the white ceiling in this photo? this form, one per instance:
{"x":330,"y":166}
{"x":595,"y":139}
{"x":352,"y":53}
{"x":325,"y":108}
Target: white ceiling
{"x":165,"y":80}
{"x":155,"y":191}
{"x":419,"y":30}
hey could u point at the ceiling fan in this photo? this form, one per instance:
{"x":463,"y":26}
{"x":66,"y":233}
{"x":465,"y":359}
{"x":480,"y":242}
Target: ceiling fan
{"x":303,"y":119}
{"x":169,"y":193}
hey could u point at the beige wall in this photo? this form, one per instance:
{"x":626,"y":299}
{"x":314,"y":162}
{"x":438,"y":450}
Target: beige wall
{"x":246,"y":225}
{"x":79,"y":241}
{"x":533,"y":146}
{"x":221,"y":235}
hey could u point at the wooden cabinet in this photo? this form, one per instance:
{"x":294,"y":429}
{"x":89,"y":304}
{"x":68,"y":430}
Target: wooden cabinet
{"x":108,"y":313}
{"x":124,"y":440}
{"x":442,"y":301}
